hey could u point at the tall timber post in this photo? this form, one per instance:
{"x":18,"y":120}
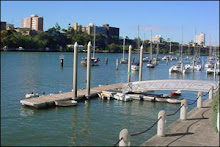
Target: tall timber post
{"x":75,"y":59}
{"x":88,"y":70}
{"x":129,"y":64}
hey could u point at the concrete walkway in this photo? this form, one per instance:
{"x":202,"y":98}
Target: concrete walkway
{"x":197,"y":130}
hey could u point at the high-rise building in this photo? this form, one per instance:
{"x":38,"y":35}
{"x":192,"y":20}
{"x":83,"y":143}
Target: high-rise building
{"x":33,"y":22}
{"x":104,"y":30}
{"x":9,"y":26}
{"x":200,"y":39}
{"x":157,"y":38}
{"x":3,"y":25}
{"x":75,"y":26}
{"x":111,"y":31}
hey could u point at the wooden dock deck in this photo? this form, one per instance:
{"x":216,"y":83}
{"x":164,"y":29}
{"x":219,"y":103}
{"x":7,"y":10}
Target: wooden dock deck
{"x":48,"y":100}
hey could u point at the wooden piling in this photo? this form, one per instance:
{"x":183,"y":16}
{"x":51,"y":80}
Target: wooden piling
{"x":88,"y":70}
{"x":61,"y":60}
{"x":116,"y":64}
{"x":129,"y":64}
{"x":106,"y":60}
{"x":141,"y":62}
{"x":75,"y":59}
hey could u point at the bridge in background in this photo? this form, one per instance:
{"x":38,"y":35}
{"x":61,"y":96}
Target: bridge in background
{"x":188,"y":85}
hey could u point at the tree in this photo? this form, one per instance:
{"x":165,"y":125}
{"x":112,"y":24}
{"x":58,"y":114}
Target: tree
{"x":57,"y":27}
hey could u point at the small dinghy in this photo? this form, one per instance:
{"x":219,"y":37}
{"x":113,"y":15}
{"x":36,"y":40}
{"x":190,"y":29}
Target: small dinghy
{"x":178,"y":92}
{"x":31,"y":95}
{"x":65,"y":103}
{"x":174,"y":101}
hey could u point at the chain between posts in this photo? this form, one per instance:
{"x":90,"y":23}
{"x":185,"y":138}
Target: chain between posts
{"x":118,"y":142}
{"x":138,"y":133}
{"x":175,"y":111}
{"x":194,"y":101}
{"x":216,"y":88}
{"x":206,"y":93}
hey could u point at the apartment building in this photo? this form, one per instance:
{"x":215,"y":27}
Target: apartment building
{"x":157,"y":38}
{"x":104,"y":30}
{"x":200,"y":39}
{"x":33,"y":22}
{"x":3,"y":25}
{"x":111,"y":31}
{"x":9,"y":26}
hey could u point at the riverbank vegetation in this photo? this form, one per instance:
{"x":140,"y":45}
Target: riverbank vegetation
{"x":57,"y":39}
{"x":215,"y":108}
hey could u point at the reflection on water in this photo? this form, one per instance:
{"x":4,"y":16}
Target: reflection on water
{"x":176,"y":76}
{"x":25,"y":112}
{"x":81,"y":130}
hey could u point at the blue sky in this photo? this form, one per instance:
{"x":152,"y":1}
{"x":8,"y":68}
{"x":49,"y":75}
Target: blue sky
{"x":164,"y":17}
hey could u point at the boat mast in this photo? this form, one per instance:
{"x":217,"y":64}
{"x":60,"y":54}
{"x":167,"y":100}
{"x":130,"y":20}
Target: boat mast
{"x":195,"y":50}
{"x":93,"y":55}
{"x":170,"y":45}
{"x":216,"y":50}
{"x":182,"y":46}
{"x":151,"y":44}
{"x":210,"y":48}
{"x":138,"y":42}
{"x":157,"y":48}
{"x":123,"y":48}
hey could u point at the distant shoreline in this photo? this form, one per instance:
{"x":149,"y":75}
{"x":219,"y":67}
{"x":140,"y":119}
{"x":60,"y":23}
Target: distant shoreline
{"x":134,"y":52}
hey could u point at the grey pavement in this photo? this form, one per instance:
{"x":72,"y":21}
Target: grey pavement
{"x":197,"y":130}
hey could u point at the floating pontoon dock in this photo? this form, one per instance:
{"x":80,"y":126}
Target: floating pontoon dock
{"x":48,"y":100}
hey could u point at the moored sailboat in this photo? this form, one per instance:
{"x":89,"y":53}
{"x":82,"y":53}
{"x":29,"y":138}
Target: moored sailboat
{"x":135,"y":65}
{"x":123,"y":59}
{"x":94,"y":61}
{"x":150,"y":64}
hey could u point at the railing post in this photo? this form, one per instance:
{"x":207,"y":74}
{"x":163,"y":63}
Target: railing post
{"x":199,"y":101}
{"x":126,"y":138}
{"x":161,"y":123}
{"x":211,"y":93}
{"x":183,"y":110}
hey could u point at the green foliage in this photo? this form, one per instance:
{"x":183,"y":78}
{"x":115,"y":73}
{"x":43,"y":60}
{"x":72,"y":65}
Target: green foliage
{"x":55,"y":37}
{"x":215,"y":107}
{"x":115,"y":48}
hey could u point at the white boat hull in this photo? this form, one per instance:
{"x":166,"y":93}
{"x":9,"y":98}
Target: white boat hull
{"x":31,"y":95}
{"x":66,"y":103}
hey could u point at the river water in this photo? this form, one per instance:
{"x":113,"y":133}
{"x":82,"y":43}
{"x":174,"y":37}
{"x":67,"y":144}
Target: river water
{"x":93,"y":122}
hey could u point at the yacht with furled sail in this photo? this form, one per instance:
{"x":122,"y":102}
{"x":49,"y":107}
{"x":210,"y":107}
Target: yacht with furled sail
{"x":150,"y":64}
{"x":135,"y":65}
{"x":179,"y":67}
{"x":123,"y":59}
{"x":94,"y":61}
